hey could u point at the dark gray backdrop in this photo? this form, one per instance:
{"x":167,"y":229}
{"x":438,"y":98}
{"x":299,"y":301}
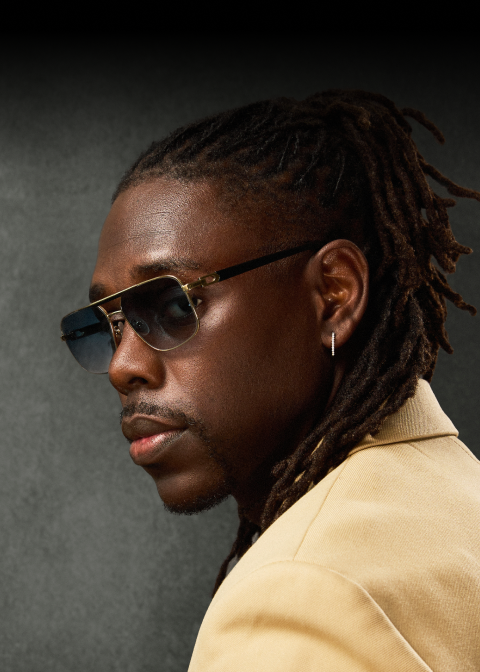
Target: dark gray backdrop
{"x":94,"y":574}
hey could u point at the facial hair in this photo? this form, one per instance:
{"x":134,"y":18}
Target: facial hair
{"x":212,"y":448}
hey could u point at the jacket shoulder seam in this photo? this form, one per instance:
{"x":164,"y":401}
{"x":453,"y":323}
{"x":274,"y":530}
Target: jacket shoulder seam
{"x":341,"y":468}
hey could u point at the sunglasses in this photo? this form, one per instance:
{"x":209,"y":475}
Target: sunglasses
{"x":159,"y":310}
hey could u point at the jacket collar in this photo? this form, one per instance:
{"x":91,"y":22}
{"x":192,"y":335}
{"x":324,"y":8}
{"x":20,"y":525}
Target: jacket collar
{"x":419,"y":418}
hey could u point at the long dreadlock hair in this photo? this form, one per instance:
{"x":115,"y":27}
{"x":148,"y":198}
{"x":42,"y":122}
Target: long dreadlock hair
{"x":342,"y":164}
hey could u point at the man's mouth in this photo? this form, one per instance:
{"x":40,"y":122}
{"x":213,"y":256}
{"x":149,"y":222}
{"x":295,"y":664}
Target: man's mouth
{"x":148,"y":438}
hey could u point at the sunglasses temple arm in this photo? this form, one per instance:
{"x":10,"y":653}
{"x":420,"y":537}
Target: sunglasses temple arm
{"x":232,"y":271}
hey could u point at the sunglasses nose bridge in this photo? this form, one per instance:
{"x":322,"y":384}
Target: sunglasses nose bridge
{"x":115,"y":315}
{"x":115,"y":318}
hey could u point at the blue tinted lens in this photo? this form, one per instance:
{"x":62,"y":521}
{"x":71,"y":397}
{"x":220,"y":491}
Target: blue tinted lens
{"x":161,"y":313}
{"x":89,"y":337}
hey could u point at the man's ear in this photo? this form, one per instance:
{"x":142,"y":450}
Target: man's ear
{"x":339,"y":276}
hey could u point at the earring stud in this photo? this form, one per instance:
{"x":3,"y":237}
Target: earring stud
{"x":333,"y":344}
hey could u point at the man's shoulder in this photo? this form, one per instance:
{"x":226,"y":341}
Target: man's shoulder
{"x":384,"y":506}
{"x":390,"y":537}
{"x":393,"y":505}
{"x":386,"y":543}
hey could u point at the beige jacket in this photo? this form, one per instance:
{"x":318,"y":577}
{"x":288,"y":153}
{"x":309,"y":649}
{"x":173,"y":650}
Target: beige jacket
{"x":377,"y":568}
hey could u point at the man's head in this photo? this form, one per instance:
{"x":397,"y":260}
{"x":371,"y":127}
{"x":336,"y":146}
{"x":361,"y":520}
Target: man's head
{"x":255,"y":379}
{"x":255,"y":405}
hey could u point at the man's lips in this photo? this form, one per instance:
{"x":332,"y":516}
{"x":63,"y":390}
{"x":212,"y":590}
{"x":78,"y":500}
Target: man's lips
{"x":148,"y":438}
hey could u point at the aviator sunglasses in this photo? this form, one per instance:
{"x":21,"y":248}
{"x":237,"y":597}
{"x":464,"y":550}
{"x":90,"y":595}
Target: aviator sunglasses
{"x":159,"y":310}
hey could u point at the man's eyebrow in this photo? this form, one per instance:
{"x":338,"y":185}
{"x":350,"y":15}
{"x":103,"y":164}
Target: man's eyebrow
{"x":96,"y":292}
{"x":166,"y":266}
{"x":99,"y":291}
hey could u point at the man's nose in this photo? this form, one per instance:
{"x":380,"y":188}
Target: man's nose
{"x":135,"y":364}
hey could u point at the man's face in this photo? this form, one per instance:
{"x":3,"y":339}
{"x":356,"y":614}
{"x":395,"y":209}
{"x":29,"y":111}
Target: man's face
{"x":211,"y":417}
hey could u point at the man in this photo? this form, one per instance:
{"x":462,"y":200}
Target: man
{"x":266,"y":305}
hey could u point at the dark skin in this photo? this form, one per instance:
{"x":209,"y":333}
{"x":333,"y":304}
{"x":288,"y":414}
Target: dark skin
{"x":247,"y":389}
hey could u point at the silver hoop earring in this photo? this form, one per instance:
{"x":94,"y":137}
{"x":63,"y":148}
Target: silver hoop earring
{"x":333,"y":344}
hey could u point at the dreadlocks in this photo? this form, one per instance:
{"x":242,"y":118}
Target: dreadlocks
{"x":339,"y":164}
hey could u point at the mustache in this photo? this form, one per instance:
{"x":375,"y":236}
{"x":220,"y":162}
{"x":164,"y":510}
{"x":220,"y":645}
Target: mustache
{"x":180,"y":417}
{"x":160,"y":411}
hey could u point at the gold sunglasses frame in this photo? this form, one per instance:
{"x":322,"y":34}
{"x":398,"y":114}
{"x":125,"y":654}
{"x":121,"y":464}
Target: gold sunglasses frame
{"x":203,"y":281}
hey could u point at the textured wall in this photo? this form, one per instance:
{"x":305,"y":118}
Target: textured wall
{"x":94,"y":574}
